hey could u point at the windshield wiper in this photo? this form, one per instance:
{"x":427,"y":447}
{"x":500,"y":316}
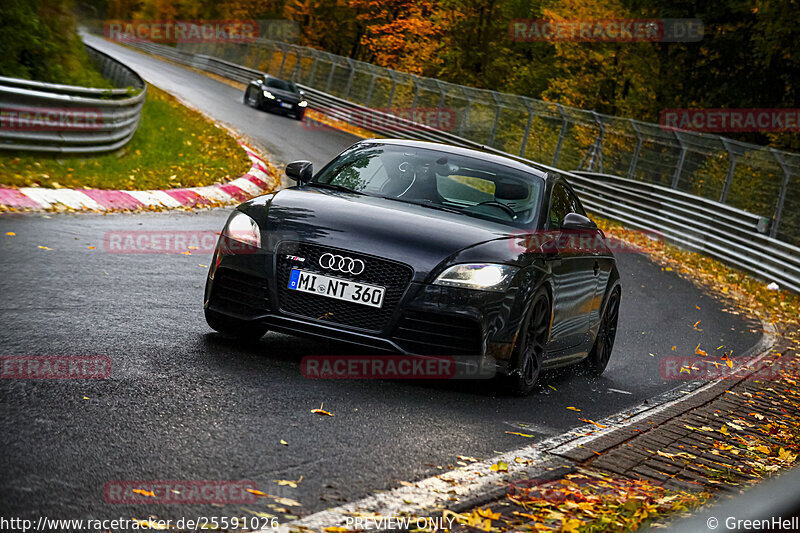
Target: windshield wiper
{"x":429,"y":205}
{"x":333,"y":187}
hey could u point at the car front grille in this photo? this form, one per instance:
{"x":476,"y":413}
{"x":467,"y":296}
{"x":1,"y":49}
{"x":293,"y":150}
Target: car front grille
{"x":392,"y":275}
{"x":238,"y":293}
{"x":438,"y":334}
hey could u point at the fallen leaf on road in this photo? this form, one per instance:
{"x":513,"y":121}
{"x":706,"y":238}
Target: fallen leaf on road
{"x":601,"y":426}
{"x":288,"y":501}
{"x":698,"y":351}
{"x":44,"y":248}
{"x":784,"y":455}
{"x":696,"y":328}
{"x":10,"y":234}
{"x":520,"y":434}
{"x":487,"y":513}
{"x":573,"y":408}
{"x":288,"y":483}
{"x":320,"y":411}
{"x":201,"y":265}
{"x":499,"y":466}
{"x":727,"y":360}
{"x":257,"y":492}
{"x":145,"y":492}
{"x":284,"y":442}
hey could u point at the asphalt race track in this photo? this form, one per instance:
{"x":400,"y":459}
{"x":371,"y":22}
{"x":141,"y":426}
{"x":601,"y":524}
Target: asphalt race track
{"x":184,"y":404}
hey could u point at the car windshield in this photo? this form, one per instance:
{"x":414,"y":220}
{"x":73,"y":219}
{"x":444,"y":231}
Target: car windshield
{"x":441,"y":180}
{"x":281,"y":85}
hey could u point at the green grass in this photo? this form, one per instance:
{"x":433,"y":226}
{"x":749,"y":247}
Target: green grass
{"x":173,"y":147}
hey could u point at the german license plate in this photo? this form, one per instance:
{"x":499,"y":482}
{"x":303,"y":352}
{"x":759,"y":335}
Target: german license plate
{"x":284,"y":104}
{"x":336,"y":288}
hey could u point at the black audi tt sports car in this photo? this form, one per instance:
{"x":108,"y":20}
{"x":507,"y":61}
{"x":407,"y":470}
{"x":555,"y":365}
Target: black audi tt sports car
{"x":423,"y":249}
{"x":274,"y":94}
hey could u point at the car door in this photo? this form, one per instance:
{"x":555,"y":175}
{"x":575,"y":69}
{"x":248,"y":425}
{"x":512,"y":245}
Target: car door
{"x":573,"y":275}
{"x":593,"y":243}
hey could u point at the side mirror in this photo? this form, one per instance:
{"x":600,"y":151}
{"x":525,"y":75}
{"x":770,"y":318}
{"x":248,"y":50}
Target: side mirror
{"x":576,"y":221}
{"x":300,"y":171}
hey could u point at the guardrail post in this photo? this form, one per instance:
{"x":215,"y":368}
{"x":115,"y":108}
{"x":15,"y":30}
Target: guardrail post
{"x":370,"y":89}
{"x":681,"y":159}
{"x":283,"y":61}
{"x":776,"y":219}
{"x":636,"y":151}
{"x":313,"y":71}
{"x":527,"y":128}
{"x":496,"y":118}
{"x":350,"y":78}
{"x":597,"y":151}
{"x":465,"y":118}
{"x":561,"y":134}
{"x":330,"y":77}
{"x":731,"y":168}
{"x":392,"y":91}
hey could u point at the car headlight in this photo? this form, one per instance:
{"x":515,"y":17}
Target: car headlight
{"x":481,"y":276}
{"x":269,"y":95}
{"x":242,"y":228}
{"x":302,"y":104}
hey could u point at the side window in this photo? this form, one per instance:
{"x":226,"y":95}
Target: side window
{"x":560,"y":205}
{"x":575,"y":204}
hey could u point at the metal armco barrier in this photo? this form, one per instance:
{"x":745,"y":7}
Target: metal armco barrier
{"x":48,"y":117}
{"x":731,"y":235}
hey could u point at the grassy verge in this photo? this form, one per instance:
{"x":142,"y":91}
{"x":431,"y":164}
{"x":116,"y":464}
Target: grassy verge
{"x":173,"y":147}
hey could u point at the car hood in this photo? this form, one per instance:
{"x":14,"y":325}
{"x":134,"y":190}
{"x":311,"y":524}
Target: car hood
{"x":419,"y":236}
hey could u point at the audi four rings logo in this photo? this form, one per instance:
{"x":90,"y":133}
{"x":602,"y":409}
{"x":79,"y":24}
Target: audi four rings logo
{"x":342,"y":264}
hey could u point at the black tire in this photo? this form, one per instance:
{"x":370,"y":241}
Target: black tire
{"x":233,"y":328}
{"x":598,"y":358}
{"x":300,"y":115}
{"x":526,"y":362}
{"x":251,"y":97}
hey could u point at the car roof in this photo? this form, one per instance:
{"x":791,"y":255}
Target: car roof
{"x":467,"y":152}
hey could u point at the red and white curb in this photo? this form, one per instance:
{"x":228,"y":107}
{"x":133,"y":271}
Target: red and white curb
{"x":258,"y":180}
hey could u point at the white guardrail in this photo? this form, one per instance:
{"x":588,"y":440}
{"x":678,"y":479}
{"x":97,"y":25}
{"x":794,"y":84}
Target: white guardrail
{"x":49,"y":117}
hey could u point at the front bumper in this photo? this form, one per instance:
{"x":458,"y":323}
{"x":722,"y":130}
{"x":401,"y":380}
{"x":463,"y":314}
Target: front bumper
{"x":423,"y":319}
{"x":282,"y":106}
